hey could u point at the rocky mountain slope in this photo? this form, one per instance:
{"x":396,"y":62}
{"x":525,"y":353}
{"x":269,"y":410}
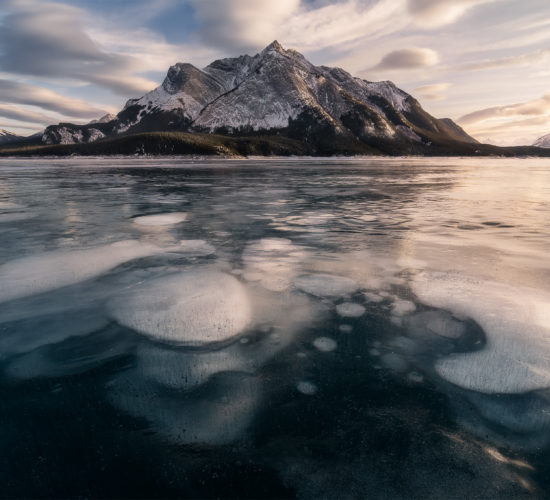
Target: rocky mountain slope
{"x":543,"y":142}
{"x":277,"y":92}
{"x":8,"y":137}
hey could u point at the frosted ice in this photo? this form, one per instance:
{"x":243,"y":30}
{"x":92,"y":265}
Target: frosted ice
{"x":326,"y":285}
{"x":350,"y":310}
{"x":192,"y":308}
{"x":59,"y":268}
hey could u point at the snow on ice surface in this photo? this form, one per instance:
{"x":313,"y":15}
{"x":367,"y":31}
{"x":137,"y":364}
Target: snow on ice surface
{"x":190,"y":308}
{"x":167,"y":219}
{"x":516,"y":321}
{"x":326,"y":285}
{"x":50,"y":270}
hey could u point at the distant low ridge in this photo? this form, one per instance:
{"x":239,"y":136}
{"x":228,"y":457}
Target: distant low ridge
{"x":273,"y":103}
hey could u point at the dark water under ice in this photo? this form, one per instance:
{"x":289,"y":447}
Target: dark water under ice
{"x":275,"y":329}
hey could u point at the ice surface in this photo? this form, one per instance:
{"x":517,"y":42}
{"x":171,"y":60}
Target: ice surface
{"x":191,"y":308}
{"x":196,"y":248}
{"x":516,"y":321}
{"x":326,"y":285}
{"x":50,"y":270}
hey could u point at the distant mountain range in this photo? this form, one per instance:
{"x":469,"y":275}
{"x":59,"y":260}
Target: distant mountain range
{"x":275,"y":102}
{"x":7,"y":137}
{"x":543,"y":142}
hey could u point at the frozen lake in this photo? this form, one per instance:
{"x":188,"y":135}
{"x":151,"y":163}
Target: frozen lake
{"x":275,"y":328}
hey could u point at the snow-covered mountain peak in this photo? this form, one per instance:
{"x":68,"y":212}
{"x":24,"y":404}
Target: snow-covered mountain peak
{"x":274,"y":46}
{"x":277,"y":91}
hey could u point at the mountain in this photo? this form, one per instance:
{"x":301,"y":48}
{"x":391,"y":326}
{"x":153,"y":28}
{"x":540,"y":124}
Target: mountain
{"x":104,"y":119}
{"x":8,"y":137}
{"x":543,"y":142}
{"x":277,"y":92}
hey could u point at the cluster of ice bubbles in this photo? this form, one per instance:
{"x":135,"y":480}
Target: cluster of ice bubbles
{"x":197,"y":378}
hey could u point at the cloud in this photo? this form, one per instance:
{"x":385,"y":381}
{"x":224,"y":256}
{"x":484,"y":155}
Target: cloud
{"x":242,"y":24}
{"x":539,"y":57}
{"x":435,"y":13}
{"x":48,"y":39}
{"x":536,"y":107}
{"x":13,"y":126}
{"x":22,"y":93}
{"x":412,"y":58}
{"x":433,"y":91}
{"x":21,"y":114}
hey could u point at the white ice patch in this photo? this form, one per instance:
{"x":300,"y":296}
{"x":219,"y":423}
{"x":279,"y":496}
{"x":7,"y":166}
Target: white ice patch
{"x":350,"y":310}
{"x":191,"y":308}
{"x":59,"y":268}
{"x":326,"y":285}
{"x":325,"y":344}
{"x":155,"y":220}
{"x":307,"y":388}
{"x":439,"y":323}
{"x":516,"y":321}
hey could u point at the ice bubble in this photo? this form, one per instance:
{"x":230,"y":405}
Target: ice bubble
{"x":156,"y":220}
{"x":191,"y":308}
{"x":196,"y":248}
{"x":402,"y":307}
{"x":326,"y":285}
{"x":415,"y":377}
{"x":307,"y":388}
{"x":48,"y":271}
{"x":373,"y":297}
{"x":516,"y":321}
{"x":374,"y":352}
{"x":345,"y":328}
{"x":325,"y":344}
{"x":350,"y":310}
{"x":440,"y":323}
{"x":394,"y":362}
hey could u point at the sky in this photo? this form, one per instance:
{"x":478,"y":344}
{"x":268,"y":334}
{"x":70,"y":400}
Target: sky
{"x":483,"y":63}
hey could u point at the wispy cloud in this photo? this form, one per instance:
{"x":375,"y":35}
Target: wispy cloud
{"x":536,"y":107}
{"x":435,"y":13}
{"x":17,"y":113}
{"x":432,"y":92}
{"x":48,"y":39}
{"x":22,"y":93}
{"x":541,"y":56}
